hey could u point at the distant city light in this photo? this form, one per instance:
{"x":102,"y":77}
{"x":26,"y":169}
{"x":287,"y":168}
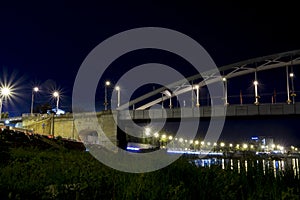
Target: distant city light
{"x":254,"y":138}
{"x":147,"y":131}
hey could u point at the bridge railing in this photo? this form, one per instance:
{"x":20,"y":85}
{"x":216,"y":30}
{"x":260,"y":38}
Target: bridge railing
{"x":229,"y":111}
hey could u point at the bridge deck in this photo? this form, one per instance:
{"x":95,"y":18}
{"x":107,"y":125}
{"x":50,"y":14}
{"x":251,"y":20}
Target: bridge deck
{"x":230,"y":111}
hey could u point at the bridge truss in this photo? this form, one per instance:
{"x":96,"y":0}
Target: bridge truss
{"x":291,"y":58}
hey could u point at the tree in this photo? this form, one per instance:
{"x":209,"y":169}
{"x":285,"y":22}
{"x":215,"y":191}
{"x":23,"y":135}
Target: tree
{"x":4,"y":115}
{"x":42,"y":108}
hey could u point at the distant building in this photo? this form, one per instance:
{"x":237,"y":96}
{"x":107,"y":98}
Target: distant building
{"x":266,"y":142}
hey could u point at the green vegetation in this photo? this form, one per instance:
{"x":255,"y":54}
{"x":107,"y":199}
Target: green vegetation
{"x":32,"y":173}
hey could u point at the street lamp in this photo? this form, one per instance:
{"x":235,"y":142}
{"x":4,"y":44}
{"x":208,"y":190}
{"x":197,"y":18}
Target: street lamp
{"x":168,"y":94}
{"x":293,"y":90}
{"x":118,"y":95}
{"x":225,"y":91}
{"x":107,"y":83}
{"x":288,"y":85}
{"x":197,"y":95}
{"x":35,"y":89}
{"x":56,"y":95}
{"x":5,"y":92}
{"x":255,"y":83}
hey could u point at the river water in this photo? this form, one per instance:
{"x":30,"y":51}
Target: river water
{"x":244,"y":165}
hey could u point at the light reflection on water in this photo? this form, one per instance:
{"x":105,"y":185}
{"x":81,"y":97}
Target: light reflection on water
{"x":264,"y":165}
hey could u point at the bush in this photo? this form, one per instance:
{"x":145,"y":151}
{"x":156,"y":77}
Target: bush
{"x":32,"y":173}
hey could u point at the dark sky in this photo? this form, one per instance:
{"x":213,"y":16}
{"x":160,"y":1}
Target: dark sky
{"x":45,"y":42}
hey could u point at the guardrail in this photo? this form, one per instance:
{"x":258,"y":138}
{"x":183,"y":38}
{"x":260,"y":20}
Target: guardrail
{"x":229,"y":111}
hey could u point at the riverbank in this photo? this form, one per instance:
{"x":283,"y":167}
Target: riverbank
{"x":33,"y":173}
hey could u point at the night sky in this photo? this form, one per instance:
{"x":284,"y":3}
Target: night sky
{"x":44,"y":43}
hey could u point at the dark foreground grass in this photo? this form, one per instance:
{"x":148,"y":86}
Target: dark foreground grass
{"x":31,"y":173}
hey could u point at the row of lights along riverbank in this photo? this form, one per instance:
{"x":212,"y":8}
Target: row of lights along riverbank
{"x":172,"y":143}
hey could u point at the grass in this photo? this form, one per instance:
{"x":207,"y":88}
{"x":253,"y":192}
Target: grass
{"x":32,"y":173}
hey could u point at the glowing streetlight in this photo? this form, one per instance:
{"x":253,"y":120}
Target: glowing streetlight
{"x":56,"y":95}
{"x":292,"y":76}
{"x":118,"y":89}
{"x":156,"y":135}
{"x":197,"y":95}
{"x":255,"y":83}
{"x":107,"y":83}
{"x":293,"y":89}
{"x":35,"y":89}
{"x":5,"y":92}
{"x":225,"y":91}
{"x":245,"y":146}
{"x":170,"y":137}
{"x":222,"y":144}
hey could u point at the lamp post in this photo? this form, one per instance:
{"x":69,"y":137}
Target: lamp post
{"x":5,"y":92}
{"x":288,"y":85}
{"x":56,"y":95}
{"x":255,"y":82}
{"x":35,"y":89}
{"x":107,"y":83}
{"x":118,"y":96}
{"x":197,"y":95}
{"x":225,"y":91}
{"x":293,"y":89}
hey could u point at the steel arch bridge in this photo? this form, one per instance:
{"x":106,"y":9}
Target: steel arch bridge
{"x":290,"y":58}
